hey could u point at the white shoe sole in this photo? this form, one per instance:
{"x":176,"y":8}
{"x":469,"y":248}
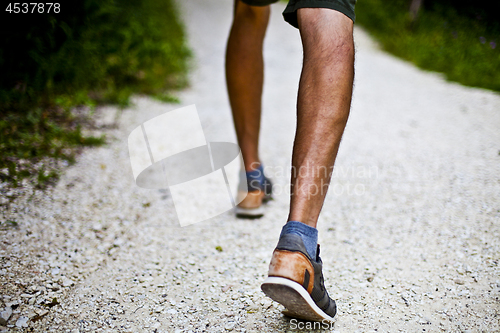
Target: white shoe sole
{"x":294,"y":298}
{"x":249,"y":213}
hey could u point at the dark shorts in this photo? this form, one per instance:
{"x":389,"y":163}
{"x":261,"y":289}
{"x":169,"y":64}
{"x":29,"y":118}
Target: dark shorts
{"x":290,"y":14}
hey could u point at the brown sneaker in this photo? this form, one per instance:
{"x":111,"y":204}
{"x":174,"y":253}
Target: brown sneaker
{"x":251,"y":206}
{"x":296,"y":281}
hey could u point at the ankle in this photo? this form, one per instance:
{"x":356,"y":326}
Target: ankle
{"x":255,"y":178}
{"x":308,"y":234}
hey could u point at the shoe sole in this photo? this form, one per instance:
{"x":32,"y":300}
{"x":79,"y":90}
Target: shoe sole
{"x":249,"y":213}
{"x":294,"y":298}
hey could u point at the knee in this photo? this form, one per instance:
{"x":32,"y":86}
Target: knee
{"x":258,"y":15}
{"x":331,"y":50}
{"x":326,"y":34}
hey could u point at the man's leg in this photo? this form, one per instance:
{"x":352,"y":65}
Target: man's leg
{"x":323,"y":105}
{"x":245,"y":76}
{"x":295,"y":273}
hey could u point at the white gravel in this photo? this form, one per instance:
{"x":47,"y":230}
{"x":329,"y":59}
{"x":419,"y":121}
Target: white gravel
{"x":409,"y":231}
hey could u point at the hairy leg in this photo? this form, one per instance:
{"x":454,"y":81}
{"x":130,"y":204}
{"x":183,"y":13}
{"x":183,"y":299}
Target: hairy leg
{"x":245,"y":76}
{"x":323,"y":106}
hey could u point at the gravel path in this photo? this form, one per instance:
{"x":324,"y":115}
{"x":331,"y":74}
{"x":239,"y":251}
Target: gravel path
{"x":409,"y":232}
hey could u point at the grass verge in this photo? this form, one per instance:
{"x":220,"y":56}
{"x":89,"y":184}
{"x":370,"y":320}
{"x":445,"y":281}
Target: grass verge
{"x":90,"y":53}
{"x":459,"y":39}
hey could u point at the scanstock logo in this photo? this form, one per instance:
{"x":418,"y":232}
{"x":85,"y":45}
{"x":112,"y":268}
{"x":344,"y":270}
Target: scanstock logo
{"x":170,"y":151}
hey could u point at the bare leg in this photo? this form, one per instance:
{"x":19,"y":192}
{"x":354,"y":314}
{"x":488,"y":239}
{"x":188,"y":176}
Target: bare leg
{"x":323,"y":105}
{"x":245,"y":76}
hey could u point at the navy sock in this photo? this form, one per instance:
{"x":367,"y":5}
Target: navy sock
{"x":255,"y":178}
{"x":308,"y":234}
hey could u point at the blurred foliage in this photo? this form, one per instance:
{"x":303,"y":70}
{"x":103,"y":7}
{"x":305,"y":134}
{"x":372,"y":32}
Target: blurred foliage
{"x":92,"y":52}
{"x":459,"y":38}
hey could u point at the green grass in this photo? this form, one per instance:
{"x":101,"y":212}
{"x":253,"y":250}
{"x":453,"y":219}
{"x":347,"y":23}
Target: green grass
{"x":461,"y":41}
{"x":92,"y":53}
{"x":30,"y":143}
{"x":167,"y":98}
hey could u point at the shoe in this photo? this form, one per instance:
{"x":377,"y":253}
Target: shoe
{"x":296,"y":281}
{"x":251,"y":206}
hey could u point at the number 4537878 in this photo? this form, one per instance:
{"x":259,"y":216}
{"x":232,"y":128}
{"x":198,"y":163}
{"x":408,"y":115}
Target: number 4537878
{"x":33,"y":7}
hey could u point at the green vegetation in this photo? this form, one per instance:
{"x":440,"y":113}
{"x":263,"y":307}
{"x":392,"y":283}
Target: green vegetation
{"x":91,"y":52}
{"x":459,"y":38}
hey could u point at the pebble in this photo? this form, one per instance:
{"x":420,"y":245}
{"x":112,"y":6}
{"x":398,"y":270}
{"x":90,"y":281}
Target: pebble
{"x":32,"y":314}
{"x":5,"y":315}
{"x":252,"y":307}
{"x":12,"y":303}
{"x":230,"y":326}
{"x":67,"y":282}
{"x":22,"y":322}
{"x":41,"y":312}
